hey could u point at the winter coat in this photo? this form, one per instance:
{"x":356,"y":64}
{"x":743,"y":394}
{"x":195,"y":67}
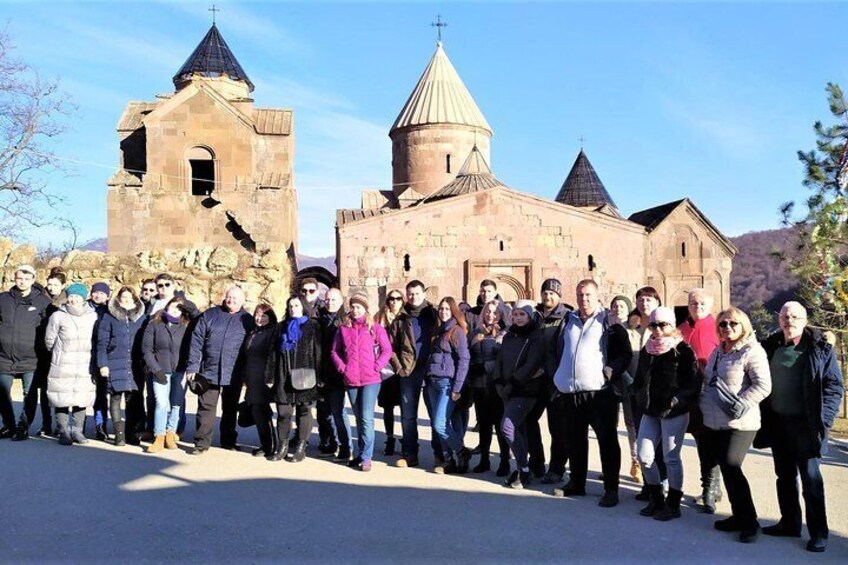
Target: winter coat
{"x":616,"y":344}
{"x":216,"y":343}
{"x":254,"y":358}
{"x":69,"y":338}
{"x":165,"y":346}
{"x":404,"y":355}
{"x":474,"y":316}
{"x":701,"y":337}
{"x":823,"y":389}
{"x":118,"y":345}
{"x":355,"y":352}
{"x":305,"y":355}
{"x":660,"y":378}
{"x":519,"y":367}
{"x":329,"y":324}
{"x":22,"y":323}
{"x":449,"y":355}
{"x":745,"y":370}
{"x":483,"y":348}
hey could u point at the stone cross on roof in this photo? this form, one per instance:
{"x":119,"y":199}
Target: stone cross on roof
{"x":439,"y":24}
{"x":213,"y":9}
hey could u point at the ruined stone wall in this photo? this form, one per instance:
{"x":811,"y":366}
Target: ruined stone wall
{"x":516,"y":239}
{"x":419,"y":155}
{"x":204,"y":273}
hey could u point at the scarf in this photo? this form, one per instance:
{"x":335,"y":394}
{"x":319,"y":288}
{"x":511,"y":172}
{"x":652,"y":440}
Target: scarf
{"x":663,"y":344}
{"x":292,"y":333}
{"x":172,"y":319}
{"x":77,"y":310}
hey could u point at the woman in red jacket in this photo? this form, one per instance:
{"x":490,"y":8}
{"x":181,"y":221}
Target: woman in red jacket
{"x":361,"y":349}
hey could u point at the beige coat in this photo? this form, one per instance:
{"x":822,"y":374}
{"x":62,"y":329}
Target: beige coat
{"x":745,"y":369}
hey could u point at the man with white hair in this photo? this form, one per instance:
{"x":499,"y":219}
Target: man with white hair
{"x":699,"y":331}
{"x":215,"y":346}
{"x":806,"y":393}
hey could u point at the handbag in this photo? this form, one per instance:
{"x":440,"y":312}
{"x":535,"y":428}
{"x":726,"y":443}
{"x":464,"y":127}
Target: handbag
{"x":245,"y":415}
{"x":729,"y":402}
{"x":303,"y":379}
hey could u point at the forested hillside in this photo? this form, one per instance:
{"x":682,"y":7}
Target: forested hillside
{"x":759,"y":276}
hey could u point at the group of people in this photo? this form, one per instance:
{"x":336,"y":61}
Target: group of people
{"x":76,"y":348}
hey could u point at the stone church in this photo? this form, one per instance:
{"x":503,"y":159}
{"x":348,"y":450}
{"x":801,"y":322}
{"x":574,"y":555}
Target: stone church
{"x":202,"y":165}
{"x":450,"y":222}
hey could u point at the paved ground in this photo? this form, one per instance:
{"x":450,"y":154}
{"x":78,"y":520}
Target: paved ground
{"x":98,"y":503}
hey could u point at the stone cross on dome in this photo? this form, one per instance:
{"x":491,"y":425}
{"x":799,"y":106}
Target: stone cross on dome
{"x":439,"y":24}
{"x":213,"y":9}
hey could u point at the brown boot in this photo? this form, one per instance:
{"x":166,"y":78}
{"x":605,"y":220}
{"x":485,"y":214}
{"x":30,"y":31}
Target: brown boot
{"x":157,"y":445}
{"x":170,"y":440}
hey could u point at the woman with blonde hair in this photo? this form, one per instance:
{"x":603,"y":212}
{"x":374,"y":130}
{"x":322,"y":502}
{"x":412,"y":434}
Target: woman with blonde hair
{"x":736,"y":379}
{"x":389,"y":396}
{"x":361,"y":349}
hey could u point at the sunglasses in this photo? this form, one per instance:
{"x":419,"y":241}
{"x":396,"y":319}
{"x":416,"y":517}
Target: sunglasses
{"x":395,"y":299}
{"x":148,"y":290}
{"x":164,"y":285}
{"x":728,"y":324}
{"x":660,"y":325}
{"x":308,"y":290}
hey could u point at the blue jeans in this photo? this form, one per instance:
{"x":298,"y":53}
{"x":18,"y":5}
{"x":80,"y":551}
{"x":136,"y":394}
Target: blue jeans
{"x":447,"y":422}
{"x":410,"y":394}
{"x":6,"y":407}
{"x":169,"y":397}
{"x":339,"y":423}
{"x":363,"y":399}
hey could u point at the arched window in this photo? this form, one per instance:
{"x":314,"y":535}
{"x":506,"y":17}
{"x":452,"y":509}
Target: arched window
{"x":501,"y":245}
{"x":591,"y":263}
{"x":201,"y":163}
{"x":406,"y":265}
{"x":447,"y":163}
{"x":683,"y":249}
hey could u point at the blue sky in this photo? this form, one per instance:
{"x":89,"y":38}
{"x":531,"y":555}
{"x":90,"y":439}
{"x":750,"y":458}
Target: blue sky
{"x":705,"y":100}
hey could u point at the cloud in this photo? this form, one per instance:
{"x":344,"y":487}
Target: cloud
{"x":725,"y":126}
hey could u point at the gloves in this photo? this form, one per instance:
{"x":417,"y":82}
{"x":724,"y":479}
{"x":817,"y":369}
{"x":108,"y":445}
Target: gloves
{"x":160,"y":377}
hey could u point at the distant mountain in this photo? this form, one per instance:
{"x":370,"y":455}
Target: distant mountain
{"x":758,"y":275}
{"x":96,"y":245}
{"x":328,"y":263}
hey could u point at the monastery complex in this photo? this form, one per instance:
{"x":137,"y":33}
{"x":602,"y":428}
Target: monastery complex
{"x":203,"y":164}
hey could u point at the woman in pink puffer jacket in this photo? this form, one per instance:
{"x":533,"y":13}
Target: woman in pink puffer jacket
{"x":361,"y":349}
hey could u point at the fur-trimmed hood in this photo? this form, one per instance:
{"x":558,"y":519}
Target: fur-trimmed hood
{"x":121,"y":314}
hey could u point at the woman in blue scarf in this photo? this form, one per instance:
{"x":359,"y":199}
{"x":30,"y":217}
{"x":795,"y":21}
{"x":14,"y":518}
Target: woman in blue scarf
{"x":291,"y":375}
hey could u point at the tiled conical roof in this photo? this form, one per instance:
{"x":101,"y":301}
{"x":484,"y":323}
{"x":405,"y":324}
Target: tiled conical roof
{"x":474,"y":176}
{"x":212,"y":58}
{"x":582,"y":187}
{"x":440,"y":97}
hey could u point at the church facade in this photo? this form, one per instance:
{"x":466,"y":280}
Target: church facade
{"x":453,"y":227}
{"x":203,"y":165}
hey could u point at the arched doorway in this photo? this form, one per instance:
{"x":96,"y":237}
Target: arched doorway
{"x":201,"y":167}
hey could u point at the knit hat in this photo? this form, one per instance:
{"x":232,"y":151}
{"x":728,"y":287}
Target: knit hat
{"x":663,"y":314}
{"x":359,"y":298}
{"x":528,"y":306}
{"x":623,"y":299}
{"x":101,"y":287}
{"x":29,"y":269}
{"x":553,"y":285}
{"x":78,"y":289}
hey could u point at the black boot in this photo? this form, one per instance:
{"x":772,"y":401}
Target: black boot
{"x":711,"y":491}
{"x":503,"y":468}
{"x":299,"y":453}
{"x":484,"y":464}
{"x":463,"y":458}
{"x":120,"y":434}
{"x":645,"y":494}
{"x":100,"y":432}
{"x":671,"y":509}
{"x":390,"y":447}
{"x":281,"y":447}
{"x":656,"y":500}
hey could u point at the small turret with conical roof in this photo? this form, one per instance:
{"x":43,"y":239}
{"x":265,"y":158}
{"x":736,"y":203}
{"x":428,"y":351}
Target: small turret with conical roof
{"x":583,"y":187}
{"x":439,"y":125}
{"x":212,"y":59}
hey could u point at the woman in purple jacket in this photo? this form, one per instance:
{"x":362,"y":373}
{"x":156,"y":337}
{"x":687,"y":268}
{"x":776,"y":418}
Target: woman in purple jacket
{"x":447,"y":367}
{"x":361,"y":349}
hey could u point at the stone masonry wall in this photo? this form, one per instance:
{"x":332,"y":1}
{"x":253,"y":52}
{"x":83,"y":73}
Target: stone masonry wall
{"x":203,"y":273}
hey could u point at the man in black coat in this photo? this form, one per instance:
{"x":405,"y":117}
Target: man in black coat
{"x":333,"y":423}
{"x":216,"y":343}
{"x":22,"y":322}
{"x":806,"y":393}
